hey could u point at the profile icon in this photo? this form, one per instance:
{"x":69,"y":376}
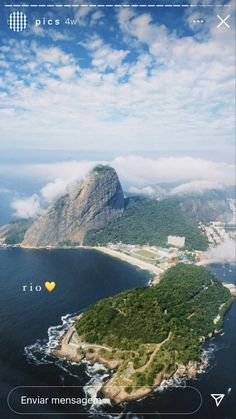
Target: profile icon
{"x":17,"y":21}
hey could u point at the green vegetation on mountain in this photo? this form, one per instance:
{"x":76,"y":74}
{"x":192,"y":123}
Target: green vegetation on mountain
{"x":149,"y":221}
{"x":101,"y":169}
{"x":16,"y":231}
{"x":154,"y":329}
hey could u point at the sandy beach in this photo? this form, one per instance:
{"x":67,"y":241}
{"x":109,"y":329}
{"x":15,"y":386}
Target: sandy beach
{"x":132,"y":260}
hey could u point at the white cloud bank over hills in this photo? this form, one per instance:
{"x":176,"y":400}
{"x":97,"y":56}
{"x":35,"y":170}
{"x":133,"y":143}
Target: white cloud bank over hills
{"x":27,"y":207}
{"x":142,"y":171}
{"x":225,"y":252}
{"x":196,"y":186}
{"x":137,"y":174}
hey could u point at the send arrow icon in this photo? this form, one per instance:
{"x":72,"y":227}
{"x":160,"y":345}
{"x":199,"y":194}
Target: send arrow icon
{"x":218,"y":398}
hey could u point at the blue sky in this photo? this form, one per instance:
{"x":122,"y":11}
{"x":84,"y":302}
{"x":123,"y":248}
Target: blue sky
{"x":125,"y":79}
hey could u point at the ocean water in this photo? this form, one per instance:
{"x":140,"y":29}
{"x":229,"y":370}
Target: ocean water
{"x":82,"y":277}
{"x":32,"y":320}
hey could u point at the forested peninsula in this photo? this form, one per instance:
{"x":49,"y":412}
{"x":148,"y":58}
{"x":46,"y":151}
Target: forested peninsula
{"x":148,"y":334}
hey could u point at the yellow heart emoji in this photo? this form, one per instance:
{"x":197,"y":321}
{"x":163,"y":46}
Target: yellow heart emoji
{"x":50,"y":286}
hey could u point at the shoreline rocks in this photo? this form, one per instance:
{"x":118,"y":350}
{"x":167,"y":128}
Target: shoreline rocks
{"x":70,"y":346}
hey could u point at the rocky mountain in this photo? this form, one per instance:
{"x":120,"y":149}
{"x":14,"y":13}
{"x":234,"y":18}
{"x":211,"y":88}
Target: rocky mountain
{"x":94,"y":211}
{"x":204,"y":206}
{"x":210,"y":206}
{"x":90,"y":204}
{"x":13,"y":233}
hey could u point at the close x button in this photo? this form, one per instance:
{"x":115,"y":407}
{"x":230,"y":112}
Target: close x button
{"x":223,"y":21}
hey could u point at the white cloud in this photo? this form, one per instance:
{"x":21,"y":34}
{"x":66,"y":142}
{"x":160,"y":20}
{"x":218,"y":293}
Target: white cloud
{"x":7,"y":111}
{"x":54,"y":189}
{"x":66,"y":72}
{"x":52,"y":55}
{"x":137,"y":174}
{"x":146,"y":190}
{"x":69,"y":171}
{"x":60,"y":176}
{"x":83,"y":13}
{"x":4,"y":190}
{"x":136,"y":171}
{"x":44,"y":32}
{"x":225,"y":252}
{"x":178,"y":93}
{"x":198,"y":186}
{"x":103,"y":55}
{"x":96,"y":17}
{"x":87,"y":15}
{"x":141,"y":171}
{"x":26,"y":207}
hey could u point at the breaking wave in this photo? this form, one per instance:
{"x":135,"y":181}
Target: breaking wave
{"x":40,"y":351}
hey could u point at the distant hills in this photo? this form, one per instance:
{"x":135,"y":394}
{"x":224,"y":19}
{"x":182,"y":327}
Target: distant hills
{"x":210,"y":206}
{"x":146,"y":220}
{"x":94,"y":211}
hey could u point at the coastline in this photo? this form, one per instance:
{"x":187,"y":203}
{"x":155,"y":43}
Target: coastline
{"x":73,"y":348}
{"x":155,"y":270}
{"x":141,"y":264}
{"x":131,"y":259}
{"x":70,"y":347}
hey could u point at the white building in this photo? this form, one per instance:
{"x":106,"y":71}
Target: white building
{"x":177,"y":241}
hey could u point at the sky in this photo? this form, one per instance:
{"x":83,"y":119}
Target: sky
{"x":122,"y":79}
{"x":150,"y":85}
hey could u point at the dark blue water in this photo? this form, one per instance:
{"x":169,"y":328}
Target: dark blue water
{"x":83,"y":277}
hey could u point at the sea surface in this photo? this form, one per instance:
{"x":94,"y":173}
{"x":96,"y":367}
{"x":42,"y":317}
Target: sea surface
{"x":31,"y":320}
